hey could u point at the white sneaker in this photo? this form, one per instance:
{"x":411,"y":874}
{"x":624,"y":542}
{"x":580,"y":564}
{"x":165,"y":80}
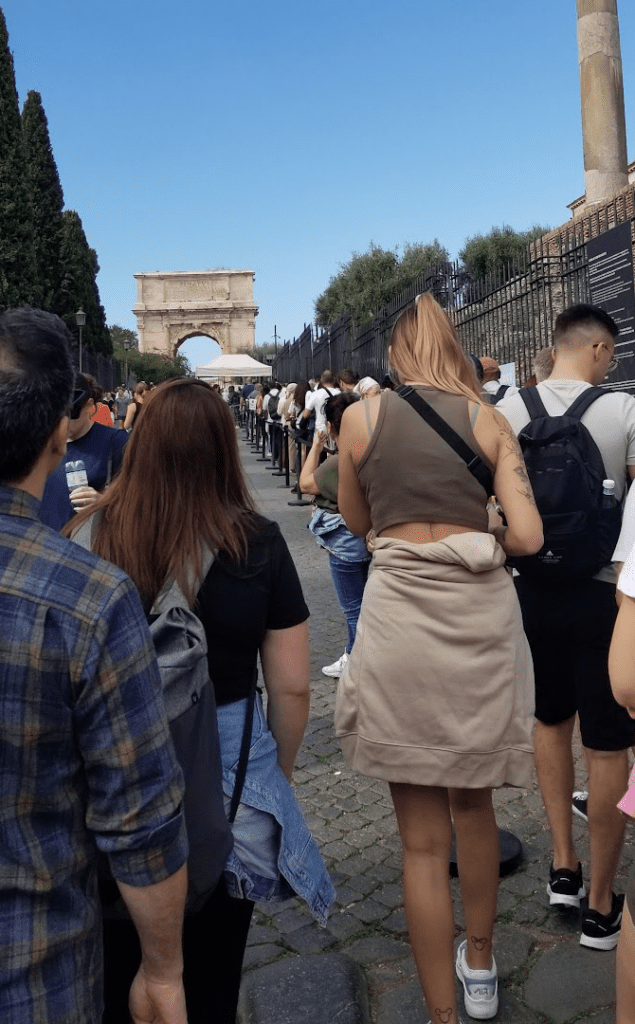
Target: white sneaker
{"x":480,"y":988}
{"x":337,"y":667}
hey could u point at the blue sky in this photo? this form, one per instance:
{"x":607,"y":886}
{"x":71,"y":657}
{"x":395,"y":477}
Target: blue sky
{"x":282,"y":135}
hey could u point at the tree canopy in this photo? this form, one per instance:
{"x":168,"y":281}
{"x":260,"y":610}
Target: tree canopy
{"x":495,"y":251}
{"x":374,"y":278}
{"x":147,"y":366}
{"x":18,"y":274}
{"x":47,"y":200}
{"x":79,"y":285}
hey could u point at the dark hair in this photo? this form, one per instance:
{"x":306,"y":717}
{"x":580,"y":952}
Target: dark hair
{"x":348,"y":377}
{"x":90,"y":386}
{"x":36,"y":386}
{"x":583,"y":315}
{"x":180,"y":485}
{"x":302,"y":389}
{"x":336,"y":406}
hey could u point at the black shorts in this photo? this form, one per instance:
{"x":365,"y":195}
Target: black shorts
{"x":569,"y":631}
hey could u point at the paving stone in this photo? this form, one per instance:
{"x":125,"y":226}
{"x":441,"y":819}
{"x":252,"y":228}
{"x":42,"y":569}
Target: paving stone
{"x":377,"y":949}
{"x":384,"y":873}
{"x":343,"y":925}
{"x":531,"y":911}
{"x":390,"y":895}
{"x":256,"y":956}
{"x":403,"y":1005}
{"x":521,"y":883}
{"x":310,"y":939}
{"x":363,"y":884}
{"x":396,"y":922}
{"x":569,"y":981}
{"x":260,"y":933}
{"x":369,"y":910}
{"x":511,"y":949}
{"x":305,"y":990}
{"x":290,"y":920}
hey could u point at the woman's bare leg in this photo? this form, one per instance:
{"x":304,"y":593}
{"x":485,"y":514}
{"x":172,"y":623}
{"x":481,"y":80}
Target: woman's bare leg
{"x":478,"y":859}
{"x":625,"y":974}
{"x":423,"y":817}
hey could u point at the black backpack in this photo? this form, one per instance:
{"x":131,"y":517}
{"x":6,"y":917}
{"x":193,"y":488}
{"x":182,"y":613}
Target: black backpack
{"x":499,"y":395}
{"x":566,"y":472}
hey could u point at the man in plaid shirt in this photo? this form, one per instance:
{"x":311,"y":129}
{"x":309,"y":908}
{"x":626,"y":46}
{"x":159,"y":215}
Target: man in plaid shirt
{"x":86,"y":763}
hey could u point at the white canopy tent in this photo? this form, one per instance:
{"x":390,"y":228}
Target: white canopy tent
{"x":233,"y":366}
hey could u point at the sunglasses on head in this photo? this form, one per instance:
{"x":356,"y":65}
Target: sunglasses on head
{"x":79,"y":397}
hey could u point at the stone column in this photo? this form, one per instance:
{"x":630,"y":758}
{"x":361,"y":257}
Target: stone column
{"x":602,"y":99}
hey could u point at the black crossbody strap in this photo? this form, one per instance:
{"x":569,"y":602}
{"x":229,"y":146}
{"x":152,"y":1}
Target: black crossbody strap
{"x":241,"y":770}
{"x":479,"y":470}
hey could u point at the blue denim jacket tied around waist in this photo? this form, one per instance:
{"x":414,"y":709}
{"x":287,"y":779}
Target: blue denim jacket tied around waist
{"x":274,"y":855}
{"x":331,"y":533}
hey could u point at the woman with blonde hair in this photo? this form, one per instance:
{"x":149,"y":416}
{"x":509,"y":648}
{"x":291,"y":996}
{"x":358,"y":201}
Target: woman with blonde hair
{"x":437,"y":696}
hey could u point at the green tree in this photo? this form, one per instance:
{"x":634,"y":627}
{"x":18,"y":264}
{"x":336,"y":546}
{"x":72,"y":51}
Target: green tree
{"x":47,"y":201}
{"x":18,"y":271}
{"x":79,"y":285}
{"x":374,"y":278}
{"x":495,"y":251}
{"x":120,"y":335}
{"x":154,"y":366}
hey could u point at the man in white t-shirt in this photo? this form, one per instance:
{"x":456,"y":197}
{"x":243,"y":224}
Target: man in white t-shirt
{"x":569,"y":629}
{"x":316,"y":400}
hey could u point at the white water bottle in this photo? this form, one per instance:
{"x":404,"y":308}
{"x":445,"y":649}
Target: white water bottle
{"x":608,"y":494}
{"x":76,"y":475}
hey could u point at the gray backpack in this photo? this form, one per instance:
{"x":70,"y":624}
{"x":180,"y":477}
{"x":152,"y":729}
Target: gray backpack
{"x":181,"y":648}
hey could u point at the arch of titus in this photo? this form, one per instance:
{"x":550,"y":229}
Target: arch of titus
{"x":176,"y":305}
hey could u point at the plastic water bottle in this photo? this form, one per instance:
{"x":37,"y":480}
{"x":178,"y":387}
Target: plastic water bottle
{"x":76,"y":475}
{"x":608,"y":494}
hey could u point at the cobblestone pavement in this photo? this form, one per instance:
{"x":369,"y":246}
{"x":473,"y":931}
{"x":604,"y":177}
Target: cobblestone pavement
{"x":360,"y":968}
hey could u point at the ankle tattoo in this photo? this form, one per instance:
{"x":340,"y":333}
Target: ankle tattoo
{"x":479,"y":944}
{"x":444,"y":1016}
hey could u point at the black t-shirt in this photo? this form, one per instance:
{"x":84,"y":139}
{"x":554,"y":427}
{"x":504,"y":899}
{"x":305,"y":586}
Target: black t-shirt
{"x":238,"y":603}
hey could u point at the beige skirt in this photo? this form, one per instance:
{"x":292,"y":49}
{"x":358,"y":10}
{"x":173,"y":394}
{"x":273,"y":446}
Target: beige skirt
{"x":439,"y":690}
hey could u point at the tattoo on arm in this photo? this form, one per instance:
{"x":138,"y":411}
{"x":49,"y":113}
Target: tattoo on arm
{"x":510,"y":446}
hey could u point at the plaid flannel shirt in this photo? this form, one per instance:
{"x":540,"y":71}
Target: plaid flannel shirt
{"x":86,"y":764}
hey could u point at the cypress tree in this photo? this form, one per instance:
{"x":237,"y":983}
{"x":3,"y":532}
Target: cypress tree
{"x":47,"y":201}
{"x":79,"y":285}
{"x":18,"y":273}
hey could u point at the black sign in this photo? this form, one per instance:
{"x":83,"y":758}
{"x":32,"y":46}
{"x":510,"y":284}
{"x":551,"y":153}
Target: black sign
{"x":611,"y":288}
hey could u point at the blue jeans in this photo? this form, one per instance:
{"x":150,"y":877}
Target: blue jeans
{"x":349,"y":580}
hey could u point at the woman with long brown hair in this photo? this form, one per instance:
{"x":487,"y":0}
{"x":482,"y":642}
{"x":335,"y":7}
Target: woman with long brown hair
{"x":138,"y":398}
{"x":181,"y":490}
{"x":437,"y":696}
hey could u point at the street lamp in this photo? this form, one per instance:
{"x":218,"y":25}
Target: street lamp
{"x":127,"y":346}
{"x":80,"y":319}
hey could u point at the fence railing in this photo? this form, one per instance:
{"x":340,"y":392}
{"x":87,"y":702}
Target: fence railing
{"x":508,"y":315}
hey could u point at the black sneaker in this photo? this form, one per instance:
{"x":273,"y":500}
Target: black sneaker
{"x":579,"y":802}
{"x":565,"y":888}
{"x":602,"y":931}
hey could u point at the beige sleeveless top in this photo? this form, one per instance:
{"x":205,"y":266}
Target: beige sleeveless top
{"x":410,"y":474}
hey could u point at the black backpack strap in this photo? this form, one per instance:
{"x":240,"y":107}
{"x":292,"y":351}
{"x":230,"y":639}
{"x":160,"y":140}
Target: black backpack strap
{"x":534,"y":403}
{"x":479,"y":470}
{"x":241,"y":770}
{"x":583,"y":401}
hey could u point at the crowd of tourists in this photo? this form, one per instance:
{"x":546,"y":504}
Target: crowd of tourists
{"x":478,"y":535}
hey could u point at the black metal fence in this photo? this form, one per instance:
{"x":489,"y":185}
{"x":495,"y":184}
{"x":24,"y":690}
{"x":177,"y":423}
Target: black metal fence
{"x":508,"y":315}
{"x":109,"y":373}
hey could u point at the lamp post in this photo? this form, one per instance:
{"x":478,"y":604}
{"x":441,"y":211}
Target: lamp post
{"x":80,"y":319}
{"x":127,"y":346}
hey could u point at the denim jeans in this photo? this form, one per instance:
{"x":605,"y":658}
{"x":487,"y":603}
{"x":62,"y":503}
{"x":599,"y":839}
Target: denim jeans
{"x":349,"y":580}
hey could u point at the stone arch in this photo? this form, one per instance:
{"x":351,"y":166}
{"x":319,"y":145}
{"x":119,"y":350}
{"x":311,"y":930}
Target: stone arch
{"x":175,"y":305}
